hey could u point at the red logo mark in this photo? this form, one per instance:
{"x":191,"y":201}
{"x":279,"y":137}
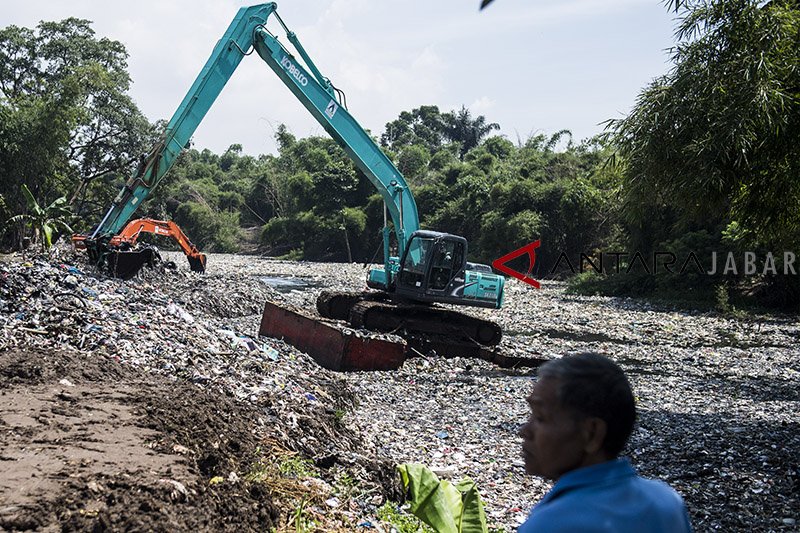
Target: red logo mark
{"x":530,"y":249}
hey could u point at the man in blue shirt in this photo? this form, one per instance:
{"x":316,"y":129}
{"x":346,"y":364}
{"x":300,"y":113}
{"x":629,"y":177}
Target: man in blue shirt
{"x":582,"y":413}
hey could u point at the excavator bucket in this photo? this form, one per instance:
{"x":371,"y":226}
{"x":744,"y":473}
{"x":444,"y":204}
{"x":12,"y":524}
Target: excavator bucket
{"x":126,"y":263}
{"x":197,"y":263}
{"x":330,"y":347}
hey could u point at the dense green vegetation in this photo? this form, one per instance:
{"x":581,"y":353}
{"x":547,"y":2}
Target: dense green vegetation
{"x":709,"y":154}
{"x":706,"y":162}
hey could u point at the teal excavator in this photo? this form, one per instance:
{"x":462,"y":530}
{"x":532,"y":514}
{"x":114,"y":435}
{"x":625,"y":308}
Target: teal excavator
{"x":429,"y":267}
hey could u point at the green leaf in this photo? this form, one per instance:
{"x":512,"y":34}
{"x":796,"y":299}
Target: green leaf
{"x":60,"y":224}
{"x":473,"y":518}
{"x":33,"y":205}
{"x":445,"y":507}
{"x":47,"y":229}
{"x":19,"y":218}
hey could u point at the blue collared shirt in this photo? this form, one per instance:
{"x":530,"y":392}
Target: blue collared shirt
{"x":608,"y":497}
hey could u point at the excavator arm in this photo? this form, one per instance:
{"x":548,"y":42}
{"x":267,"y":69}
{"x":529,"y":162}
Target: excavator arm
{"x":152,"y":168}
{"x":166,"y":228}
{"x":318,"y":97}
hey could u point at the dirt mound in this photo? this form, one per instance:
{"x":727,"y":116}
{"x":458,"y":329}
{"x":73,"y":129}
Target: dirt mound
{"x":91,"y":444}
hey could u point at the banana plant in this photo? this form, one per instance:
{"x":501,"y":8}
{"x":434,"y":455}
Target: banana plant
{"x":45,"y":221}
{"x":446,"y":507}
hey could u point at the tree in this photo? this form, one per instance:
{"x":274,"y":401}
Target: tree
{"x":499,"y":147}
{"x":334,"y":187}
{"x":230,"y":157}
{"x":3,"y":215}
{"x":210,"y":230}
{"x":66,"y":117}
{"x":33,"y":133}
{"x":413,"y":162}
{"x":460,"y":127}
{"x":718,"y":137}
{"x":423,"y":126}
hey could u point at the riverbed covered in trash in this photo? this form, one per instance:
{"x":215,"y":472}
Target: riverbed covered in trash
{"x":717,"y":394}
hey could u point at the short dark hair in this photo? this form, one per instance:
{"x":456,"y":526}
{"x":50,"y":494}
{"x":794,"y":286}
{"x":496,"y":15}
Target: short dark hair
{"x":593,"y":385}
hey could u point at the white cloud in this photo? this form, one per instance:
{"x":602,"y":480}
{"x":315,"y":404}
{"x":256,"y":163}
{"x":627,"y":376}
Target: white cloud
{"x":428,"y":60}
{"x":482,"y":106}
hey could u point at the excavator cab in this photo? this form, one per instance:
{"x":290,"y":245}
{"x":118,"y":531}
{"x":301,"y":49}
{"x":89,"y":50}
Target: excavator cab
{"x":432,"y":266}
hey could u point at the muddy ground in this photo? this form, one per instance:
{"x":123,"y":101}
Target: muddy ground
{"x":88,"y":443}
{"x":120,"y":411}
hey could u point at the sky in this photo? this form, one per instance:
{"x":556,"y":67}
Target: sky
{"x":532,"y":66}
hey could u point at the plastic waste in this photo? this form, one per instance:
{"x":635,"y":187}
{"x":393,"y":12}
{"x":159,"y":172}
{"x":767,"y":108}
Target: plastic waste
{"x":176,"y":310}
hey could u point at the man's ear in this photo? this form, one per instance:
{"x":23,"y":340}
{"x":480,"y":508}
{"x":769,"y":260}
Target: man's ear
{"x":594,"y":434}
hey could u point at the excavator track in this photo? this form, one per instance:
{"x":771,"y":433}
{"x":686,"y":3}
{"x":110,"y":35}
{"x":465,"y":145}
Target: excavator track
{"x":374,"y":311}
{"x":413,"y":320}
{"x":345,"y":350}
{"x":337,"y":304}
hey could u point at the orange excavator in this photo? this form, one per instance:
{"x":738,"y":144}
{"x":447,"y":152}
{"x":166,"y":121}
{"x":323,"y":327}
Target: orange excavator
{"x":126,"y":260}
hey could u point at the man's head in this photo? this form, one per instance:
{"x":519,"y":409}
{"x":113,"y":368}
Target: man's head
{"x":582,"y":413}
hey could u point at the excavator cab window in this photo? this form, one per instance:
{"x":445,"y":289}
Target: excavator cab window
{"x":447,"y":260}
{"x":415,"y":265}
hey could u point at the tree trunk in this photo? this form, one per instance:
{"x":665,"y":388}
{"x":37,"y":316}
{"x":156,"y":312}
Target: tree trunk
{"x":347,"y":243}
